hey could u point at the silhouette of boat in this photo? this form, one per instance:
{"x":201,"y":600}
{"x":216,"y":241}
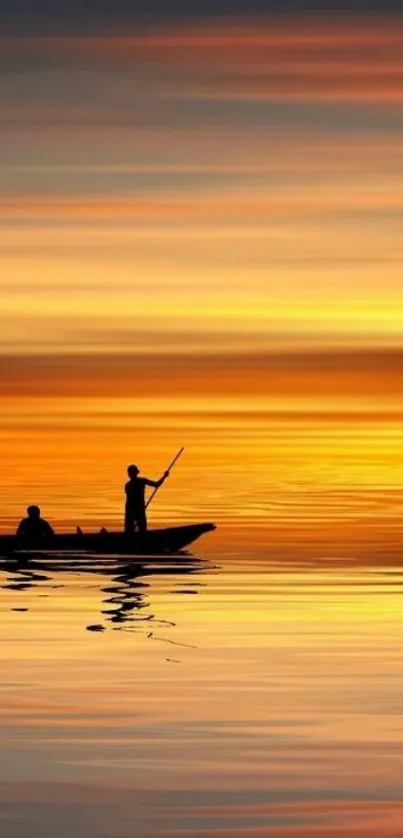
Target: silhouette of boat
{"x":151,"y":542}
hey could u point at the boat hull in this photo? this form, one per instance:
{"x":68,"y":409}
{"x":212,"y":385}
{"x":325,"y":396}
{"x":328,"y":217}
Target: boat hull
{"x":152,"y":542}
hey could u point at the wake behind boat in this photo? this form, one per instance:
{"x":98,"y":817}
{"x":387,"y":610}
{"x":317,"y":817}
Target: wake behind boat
{"x":150,"y":542}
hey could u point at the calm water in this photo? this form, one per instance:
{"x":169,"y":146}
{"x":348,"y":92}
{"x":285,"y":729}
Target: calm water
{"x":256,"y":689}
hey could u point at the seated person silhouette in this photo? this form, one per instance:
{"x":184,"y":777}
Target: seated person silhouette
{"x":135,"y":511}
{"x":34,"y":528}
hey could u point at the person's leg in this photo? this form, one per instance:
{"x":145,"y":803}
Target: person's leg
{"x":142,"y":520}
{"x":129,"y":521}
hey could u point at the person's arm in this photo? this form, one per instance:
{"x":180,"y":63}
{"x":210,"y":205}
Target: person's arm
{"x":156,"y":483}
{"x":49,"y":529}
{"x":20,"y":529}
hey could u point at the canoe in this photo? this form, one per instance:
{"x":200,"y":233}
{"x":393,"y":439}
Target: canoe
{"x":152,"y":542}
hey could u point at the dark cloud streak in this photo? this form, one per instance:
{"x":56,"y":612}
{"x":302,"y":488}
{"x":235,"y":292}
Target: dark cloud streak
{"x":373,"y":373}
{"x":74,"y":16}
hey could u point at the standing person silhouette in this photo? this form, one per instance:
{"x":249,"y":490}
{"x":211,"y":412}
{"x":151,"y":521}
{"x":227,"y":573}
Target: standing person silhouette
{"x":135,"y":510}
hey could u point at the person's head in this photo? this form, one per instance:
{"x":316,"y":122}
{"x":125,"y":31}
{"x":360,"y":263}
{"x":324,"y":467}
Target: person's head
{"x":33,"y":512}
{"x":133,"y":471}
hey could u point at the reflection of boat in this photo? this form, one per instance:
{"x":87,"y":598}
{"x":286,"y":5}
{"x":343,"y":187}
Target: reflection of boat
{"x":125,"y":583}
{"x":170,"y":539}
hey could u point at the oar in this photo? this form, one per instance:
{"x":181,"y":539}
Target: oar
{"x":171,"y":465}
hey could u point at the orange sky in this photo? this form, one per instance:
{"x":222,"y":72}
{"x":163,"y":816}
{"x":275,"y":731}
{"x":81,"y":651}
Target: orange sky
{"x":203,"y":218}
{"x":240,"y":179}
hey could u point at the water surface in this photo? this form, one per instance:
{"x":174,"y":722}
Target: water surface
{"x":255,"y":689}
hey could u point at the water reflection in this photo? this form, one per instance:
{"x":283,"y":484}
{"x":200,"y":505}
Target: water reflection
{"x":124,"y":596}
{"x":22,"y":577}
{"x":280,"y":711}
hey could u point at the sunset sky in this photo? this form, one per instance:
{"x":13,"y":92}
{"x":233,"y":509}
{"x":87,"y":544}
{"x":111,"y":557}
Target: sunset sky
{"x":201,"y":248}
{"x":201,"y":203}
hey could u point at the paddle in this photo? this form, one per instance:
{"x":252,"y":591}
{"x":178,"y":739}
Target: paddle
{"x":168,"y":469}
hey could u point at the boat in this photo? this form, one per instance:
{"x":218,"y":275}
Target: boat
{"x":151,"y":542}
